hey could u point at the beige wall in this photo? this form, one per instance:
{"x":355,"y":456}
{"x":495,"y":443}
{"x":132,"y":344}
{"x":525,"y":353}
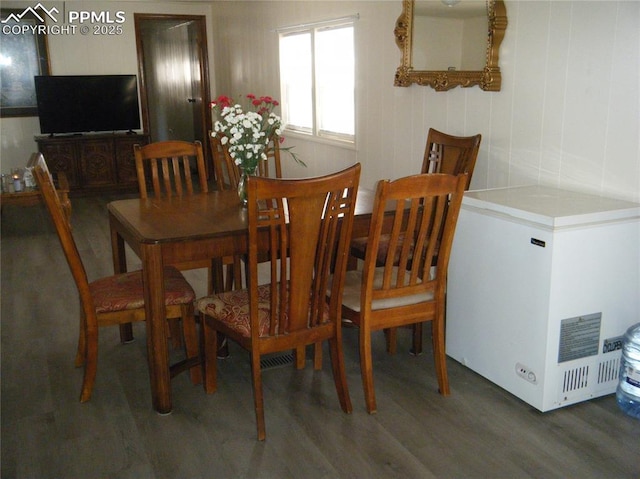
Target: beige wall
{"x":567,"y":115}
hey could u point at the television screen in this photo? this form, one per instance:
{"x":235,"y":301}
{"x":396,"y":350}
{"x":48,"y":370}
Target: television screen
{"x":87,"y":103}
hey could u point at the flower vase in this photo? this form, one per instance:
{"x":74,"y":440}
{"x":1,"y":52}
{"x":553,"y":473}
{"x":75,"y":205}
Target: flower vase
{"x":242,"y":184}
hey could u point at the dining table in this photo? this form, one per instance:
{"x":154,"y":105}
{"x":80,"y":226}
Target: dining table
{"x":169,"y":230}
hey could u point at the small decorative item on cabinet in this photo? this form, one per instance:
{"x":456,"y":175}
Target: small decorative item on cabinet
{"x":17,"y":175}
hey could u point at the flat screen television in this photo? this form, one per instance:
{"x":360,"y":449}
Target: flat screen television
{"x":70,"y":104}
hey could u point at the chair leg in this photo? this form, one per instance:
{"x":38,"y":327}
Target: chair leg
{"x":366,"y":369}
{"x":317,"y":356}
{"x":215,"y":277}
{"x":126,"y":333}
{"x":300,"y":355}
{"x":417,"y":339}
{"x":210,"y":345}
{"x":437,"y":328}
{"x":191,"y":341}
{"x":217,"y":284}
{"x":258,"y":399}
{"x":391,"y":336}
{"x":339,"y":373}
{"x":90,"y":363}
{"x":81,"y":354}
{"x":175,"y":334}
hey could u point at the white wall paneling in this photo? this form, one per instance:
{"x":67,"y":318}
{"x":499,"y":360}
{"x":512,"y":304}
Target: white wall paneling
{"x":568,"y":114}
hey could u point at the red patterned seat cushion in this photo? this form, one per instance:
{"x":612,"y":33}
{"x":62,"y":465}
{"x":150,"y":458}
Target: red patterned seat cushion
{"x":124,"y":291}
{"x":232,"y":308}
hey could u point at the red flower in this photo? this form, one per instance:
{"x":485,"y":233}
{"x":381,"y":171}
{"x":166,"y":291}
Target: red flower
{"x":222,"y":101}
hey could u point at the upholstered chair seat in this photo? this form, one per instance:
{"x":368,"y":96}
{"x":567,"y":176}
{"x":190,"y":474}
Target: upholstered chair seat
{"x":232,"y":309}
{"x":124,"y":291}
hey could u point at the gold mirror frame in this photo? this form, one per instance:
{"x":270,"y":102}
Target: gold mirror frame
{"x":488,"y":79}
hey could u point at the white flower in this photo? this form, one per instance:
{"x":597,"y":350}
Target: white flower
{"x":247,"y":133}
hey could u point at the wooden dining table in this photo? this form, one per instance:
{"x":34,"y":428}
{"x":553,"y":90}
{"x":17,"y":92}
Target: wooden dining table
{"x":164,"y":231}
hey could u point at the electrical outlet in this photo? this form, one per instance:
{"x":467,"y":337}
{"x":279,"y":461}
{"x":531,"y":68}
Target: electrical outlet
{"x":525,"y":373}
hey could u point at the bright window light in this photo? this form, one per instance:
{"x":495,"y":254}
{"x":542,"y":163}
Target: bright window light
{"x":296,"y":72}
{"x":317,"y":78}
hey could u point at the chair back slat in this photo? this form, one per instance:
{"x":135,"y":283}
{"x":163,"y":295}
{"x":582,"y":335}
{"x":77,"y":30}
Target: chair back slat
{"x":273,"y":159}
{"x":309,"y":225}
{"x":425,"y":209}
{"x":167,"y":165}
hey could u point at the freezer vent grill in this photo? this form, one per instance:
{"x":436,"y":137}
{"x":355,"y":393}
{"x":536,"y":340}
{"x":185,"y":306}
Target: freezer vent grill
{"x":575,"y":379}
{"x":608,"y":370}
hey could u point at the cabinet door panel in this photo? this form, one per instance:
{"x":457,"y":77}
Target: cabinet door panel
{"x":60,"y":156}
{"x":96,"y":162}
{"x":125,"y":160}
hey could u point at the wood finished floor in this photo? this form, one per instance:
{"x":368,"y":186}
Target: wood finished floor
{"x":480,"y":431}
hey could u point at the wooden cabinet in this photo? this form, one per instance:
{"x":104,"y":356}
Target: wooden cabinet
{"x":94,"y":162}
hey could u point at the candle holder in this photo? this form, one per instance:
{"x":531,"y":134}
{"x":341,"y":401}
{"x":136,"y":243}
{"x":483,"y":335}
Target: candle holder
{"x":17,"y":179}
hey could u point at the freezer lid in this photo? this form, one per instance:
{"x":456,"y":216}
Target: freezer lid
{"x":551,"y":207}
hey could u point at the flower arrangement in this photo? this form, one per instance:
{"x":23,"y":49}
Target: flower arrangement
{"x":248,"y":131}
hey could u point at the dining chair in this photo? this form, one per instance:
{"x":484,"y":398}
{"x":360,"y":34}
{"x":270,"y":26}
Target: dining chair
{"x":308,"y":222}
{"x":406,"y":289}
{"x":228,"y":174}
{"x":444,"y":153}
{"x":177,"y":168}
{"x":117,"y":299}
{"x":228,"y":177}
{"x":168,"y":165}
{"x":450,"y":154}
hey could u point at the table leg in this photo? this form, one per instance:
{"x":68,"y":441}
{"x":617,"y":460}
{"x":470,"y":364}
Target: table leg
{"x":120,"y":266}
{"x":157,"y":351}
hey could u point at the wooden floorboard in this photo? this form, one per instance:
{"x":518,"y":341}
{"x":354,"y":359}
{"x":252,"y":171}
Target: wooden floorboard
{"x":480,"y":431}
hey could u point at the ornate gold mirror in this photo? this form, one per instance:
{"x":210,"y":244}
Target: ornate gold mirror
{"x":450,"y":43}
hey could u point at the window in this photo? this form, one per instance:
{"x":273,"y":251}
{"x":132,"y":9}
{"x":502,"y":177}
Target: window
{"x":317,"y":79}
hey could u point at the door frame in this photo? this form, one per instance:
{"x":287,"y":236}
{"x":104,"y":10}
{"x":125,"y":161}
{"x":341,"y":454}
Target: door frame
{"x":201,"y":25}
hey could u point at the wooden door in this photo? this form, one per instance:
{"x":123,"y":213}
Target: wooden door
{"x":174,"y":76}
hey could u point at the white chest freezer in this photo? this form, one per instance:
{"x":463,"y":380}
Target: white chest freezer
{"x":542,"y":285}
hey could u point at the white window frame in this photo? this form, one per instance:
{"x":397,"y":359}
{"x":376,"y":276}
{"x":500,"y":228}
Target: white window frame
{"x":315,"y":131}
